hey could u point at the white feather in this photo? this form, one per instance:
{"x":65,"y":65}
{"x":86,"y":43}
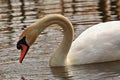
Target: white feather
{"x":98,"y":43}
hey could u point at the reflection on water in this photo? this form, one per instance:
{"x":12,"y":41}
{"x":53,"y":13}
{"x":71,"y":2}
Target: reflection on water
{"x":61,"y":73}
{"x":104,"y":71}
{"x":110,"y":10}
{"x":17,"y":14}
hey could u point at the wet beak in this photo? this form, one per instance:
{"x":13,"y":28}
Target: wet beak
{"x":24,"y":49}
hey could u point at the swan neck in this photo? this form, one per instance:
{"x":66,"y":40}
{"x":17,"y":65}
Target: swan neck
{"x":58,"y":58}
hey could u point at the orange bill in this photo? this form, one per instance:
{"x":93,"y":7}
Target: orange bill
{"x":23,"y":52}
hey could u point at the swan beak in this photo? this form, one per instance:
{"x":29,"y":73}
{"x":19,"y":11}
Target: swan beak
{"x":24,"y":50}
{"x":24,"y":47}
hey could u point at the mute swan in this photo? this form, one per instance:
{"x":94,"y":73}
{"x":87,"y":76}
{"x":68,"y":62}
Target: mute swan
{"x":99,"y":43}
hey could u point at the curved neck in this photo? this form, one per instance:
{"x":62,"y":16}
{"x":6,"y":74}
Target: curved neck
{"x":59,"y":56}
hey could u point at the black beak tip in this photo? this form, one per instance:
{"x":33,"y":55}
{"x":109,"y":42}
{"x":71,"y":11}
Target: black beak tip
{"x":20,"y":61}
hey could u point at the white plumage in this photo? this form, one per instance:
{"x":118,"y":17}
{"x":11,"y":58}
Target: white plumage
{"x":99,"y":43}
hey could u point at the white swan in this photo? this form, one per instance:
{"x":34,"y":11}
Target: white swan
{"x":99,"y":43}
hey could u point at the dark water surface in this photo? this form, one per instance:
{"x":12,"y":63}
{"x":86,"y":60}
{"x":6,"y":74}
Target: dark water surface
{"x":15,"y":15}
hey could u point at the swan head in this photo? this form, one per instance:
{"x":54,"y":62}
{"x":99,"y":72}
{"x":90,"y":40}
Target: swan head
{"x":24,"y":47}
{"x":27,"y":38}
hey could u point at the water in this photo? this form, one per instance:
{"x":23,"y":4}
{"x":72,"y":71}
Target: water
{"x":15,"y":15}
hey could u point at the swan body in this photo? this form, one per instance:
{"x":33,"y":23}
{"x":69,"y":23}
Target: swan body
{"x":99,"y":43}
